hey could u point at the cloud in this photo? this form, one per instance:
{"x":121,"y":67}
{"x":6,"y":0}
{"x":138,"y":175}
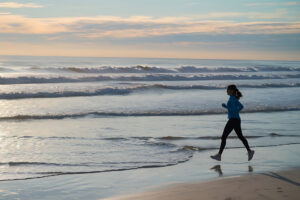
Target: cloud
{"x":202,"y":43}
{"x":22,"y":25}
{"x":19,"y":5}
{"x":4,"y":13}
{"x":277,"y":14}
{"x":138,"y":26}
{"x":290,"y":3}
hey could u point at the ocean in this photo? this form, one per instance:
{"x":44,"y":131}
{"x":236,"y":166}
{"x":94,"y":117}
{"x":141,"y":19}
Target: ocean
{"x":71,"y":115}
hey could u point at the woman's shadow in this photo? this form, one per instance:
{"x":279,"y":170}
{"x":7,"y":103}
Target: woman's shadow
{"x":217,"y":168}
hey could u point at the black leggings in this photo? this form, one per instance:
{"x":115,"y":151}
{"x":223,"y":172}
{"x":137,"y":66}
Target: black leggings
{"x":236,"y":125}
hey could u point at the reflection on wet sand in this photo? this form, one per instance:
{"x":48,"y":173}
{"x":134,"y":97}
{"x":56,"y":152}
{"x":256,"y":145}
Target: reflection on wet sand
{"x":217,"y":168}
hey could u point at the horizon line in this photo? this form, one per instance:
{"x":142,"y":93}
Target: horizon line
{"x":178,"y":58}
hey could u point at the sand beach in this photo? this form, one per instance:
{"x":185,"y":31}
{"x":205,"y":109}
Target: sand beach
{"x":268,"y":185}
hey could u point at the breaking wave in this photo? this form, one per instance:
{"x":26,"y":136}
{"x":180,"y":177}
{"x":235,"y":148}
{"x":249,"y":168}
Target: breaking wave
{"x":142,"y":114}
{"x":149,"y":77}
{"x":129,"y":90}
{"x":182,"y":69}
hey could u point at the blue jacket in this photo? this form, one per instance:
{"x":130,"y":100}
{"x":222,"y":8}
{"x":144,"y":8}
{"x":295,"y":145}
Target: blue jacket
{"x":234,"y":107}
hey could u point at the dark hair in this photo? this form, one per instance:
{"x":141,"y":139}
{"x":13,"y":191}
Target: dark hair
{"x":235,"y":90}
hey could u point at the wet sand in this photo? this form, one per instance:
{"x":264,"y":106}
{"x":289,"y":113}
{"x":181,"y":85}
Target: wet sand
{"x":269,"y":185}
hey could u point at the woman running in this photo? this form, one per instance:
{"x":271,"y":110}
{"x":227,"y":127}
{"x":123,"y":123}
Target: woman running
{"x":234,"y":107}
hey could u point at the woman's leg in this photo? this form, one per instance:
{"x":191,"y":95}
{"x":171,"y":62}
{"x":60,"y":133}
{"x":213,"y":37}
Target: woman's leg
{"x":238,"y":130}
{"x":227,"y":130}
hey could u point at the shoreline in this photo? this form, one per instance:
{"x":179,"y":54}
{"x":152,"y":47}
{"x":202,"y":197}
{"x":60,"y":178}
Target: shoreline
{"x":114,"y":185}
{"x":264,"y":185}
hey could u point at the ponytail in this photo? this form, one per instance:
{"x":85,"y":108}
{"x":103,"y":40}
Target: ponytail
{"x":238,"y":94}
{"x":236,"y":91}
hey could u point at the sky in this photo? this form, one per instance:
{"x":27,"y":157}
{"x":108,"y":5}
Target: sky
{"x":215,"y":29}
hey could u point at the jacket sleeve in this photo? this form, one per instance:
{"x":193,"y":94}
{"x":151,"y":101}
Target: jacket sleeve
{"x":231,"y":106}
{"x":239,"y":106}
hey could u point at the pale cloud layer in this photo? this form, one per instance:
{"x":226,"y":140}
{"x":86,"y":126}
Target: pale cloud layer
{"x":277,"y":14}
{"x":138,"y":26}
{"x":254,"y":34}
{"x":19,"y":5}
{"x":290,"y":3}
